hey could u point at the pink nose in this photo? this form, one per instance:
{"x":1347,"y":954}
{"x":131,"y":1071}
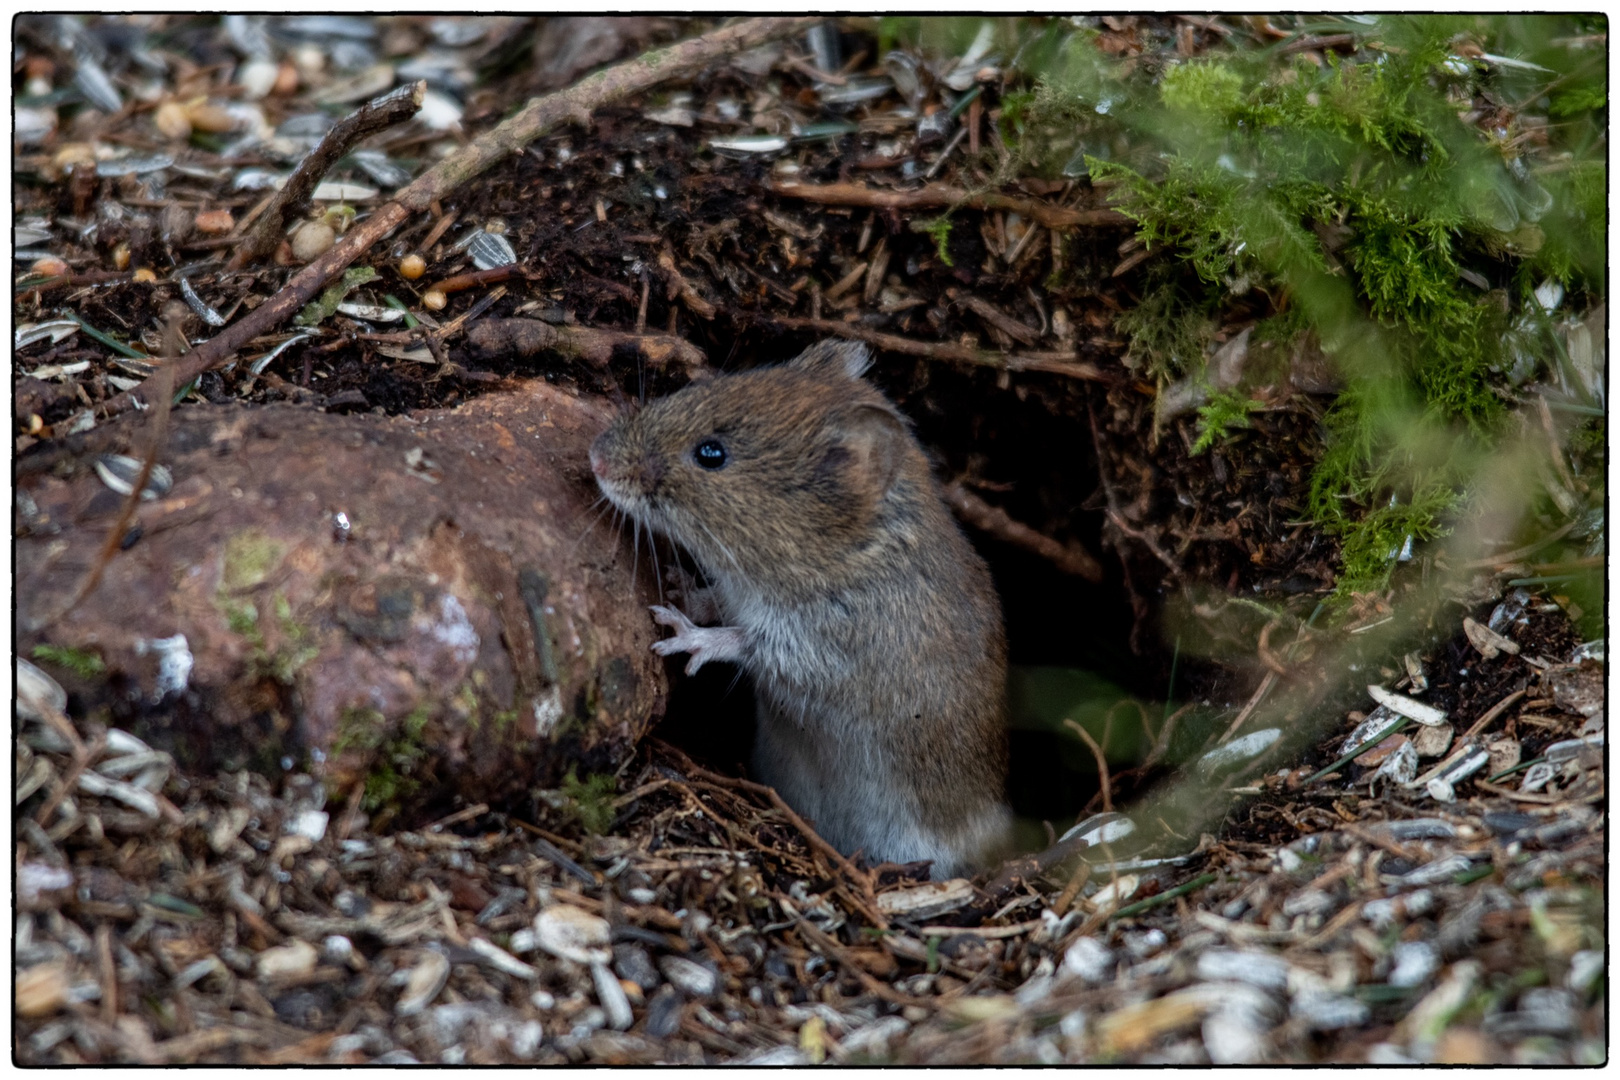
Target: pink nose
{"x":598,"y":466}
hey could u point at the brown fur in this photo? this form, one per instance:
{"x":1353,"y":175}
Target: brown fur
{"x":869,"y":624}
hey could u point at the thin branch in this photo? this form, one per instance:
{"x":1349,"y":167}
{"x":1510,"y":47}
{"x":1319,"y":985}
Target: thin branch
{"x":540,"y":116}
{"x":1147,"y":541}
{"x":1053,"y":217}
{"x":1070,"y":558}
{"x":869,"y":908}
{"x":1102,"y":763}
{"x":1254,"y":703}
{"x":1056,"y":363}
{"x":523,"y":338}
{"x":378,"y":114}
{"x":162,"y":385}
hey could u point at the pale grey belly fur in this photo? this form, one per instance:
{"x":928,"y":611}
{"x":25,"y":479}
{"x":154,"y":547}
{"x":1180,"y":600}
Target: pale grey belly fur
{"x":834,"y":767}
{"x":857,"y":802}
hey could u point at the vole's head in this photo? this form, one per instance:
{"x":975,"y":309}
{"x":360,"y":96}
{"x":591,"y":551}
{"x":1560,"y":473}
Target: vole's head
{"x":770,"y":474}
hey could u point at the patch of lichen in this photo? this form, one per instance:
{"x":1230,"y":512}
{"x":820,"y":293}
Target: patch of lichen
{"x":1408,"y":241}
{"x":294,"y":642}
{"x":394,"y":751}
{"x":250,"y":557}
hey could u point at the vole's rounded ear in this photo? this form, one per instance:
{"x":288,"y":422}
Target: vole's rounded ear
{"x":874,"y":437}
{"x":835,"y":357}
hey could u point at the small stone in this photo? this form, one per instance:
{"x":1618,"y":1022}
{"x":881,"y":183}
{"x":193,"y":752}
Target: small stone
{"x":283,"y":961}
{"x":1584,"y":968}
{"x":312,"y":240}
{"x":310,"y":824}
{"x":423,"y":983}
{"x":631,"y":961}
{"x":690,"y":977}
{"x":258,"y":77}
{"x":1330,"y":1012}
{"x":1246,"y":966}
{"x":1578,"y":689}
{"x":664,"y":1013}
{"x":571,"y":934}
{"x":1415,"y":962}
{"x":1235,"y":1031}
{"x":1090,"y":959}
{"x":1432,"y":742}
{"x":614,"y":1002}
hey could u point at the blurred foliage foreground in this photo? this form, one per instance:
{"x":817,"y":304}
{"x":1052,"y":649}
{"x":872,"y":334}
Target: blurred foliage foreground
{"x":1426,"y":206}
{"x":1421,"y":201}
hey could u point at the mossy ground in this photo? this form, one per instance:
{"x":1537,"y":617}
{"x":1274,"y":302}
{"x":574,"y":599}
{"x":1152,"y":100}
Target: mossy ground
{"x":1389,"y":202}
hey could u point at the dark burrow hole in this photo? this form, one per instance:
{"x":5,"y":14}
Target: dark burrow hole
{"x":1033,"y":456}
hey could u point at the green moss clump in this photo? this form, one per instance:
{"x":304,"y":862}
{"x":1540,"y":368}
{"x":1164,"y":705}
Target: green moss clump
{"x":940,"y":229}
{"x":1223,"y":414}
{"x":82,"y":662}
{"x":1168,"y":331}
{"x":1370,"y":214}
{"x":591,"y":800}
{"x":395,"y":752}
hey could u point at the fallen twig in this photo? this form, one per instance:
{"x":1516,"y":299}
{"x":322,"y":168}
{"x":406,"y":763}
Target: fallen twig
{"x":868,"y":901}
{"x":1053,"y":217}
{"x":834,"y":951}
{"x":997,"y":318}
{"x":162,"y":386}
{"x":1508,"y":557}
{"x":1056,"y":363}
{"x":536,"y":119}
{"x":679,"y":286}
{"x":1147,"y":541}
{"x":1493,"y":712}
{"x":1102,"y":763}
{"x":378,"y":114}
{"x":523,"y":338}
{"x":1070,"y":558}
{"x":1254,"y":703}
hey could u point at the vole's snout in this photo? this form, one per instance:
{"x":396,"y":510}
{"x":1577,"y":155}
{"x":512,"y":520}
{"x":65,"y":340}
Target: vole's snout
{"x":624,"y":472}
{"x":599,"y":454}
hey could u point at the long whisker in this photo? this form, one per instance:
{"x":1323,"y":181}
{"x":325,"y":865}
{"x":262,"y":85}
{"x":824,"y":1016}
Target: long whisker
{"x":635,"y":553}
{"x":723,"y":549}
{"x":658,"y":573}
{"x":602,"y":508}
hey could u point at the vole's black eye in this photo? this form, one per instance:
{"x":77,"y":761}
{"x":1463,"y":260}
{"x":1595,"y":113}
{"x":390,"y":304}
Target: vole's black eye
{"x":710,"y":454}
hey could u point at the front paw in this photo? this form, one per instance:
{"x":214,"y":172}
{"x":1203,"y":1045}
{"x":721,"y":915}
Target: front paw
{"x":698,"y":601}
{"x":703,"y":643}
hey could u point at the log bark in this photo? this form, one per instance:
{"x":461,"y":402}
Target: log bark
{"x":461,"y":628}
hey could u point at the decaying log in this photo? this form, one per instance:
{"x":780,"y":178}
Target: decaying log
{"x":420,"y":602}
